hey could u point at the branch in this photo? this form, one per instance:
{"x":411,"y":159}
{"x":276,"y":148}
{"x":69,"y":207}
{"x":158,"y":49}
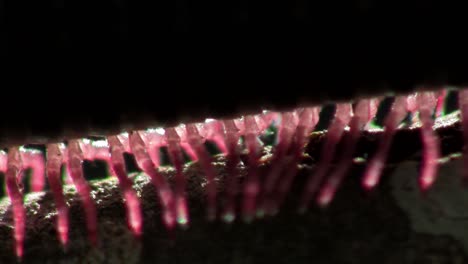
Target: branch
{"x":358,"y":227}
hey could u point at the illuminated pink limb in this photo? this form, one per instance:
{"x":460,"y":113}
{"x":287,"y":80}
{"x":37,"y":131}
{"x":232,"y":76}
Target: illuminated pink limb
{"x":363,"y":114}
{"x":34,"y":159}
{"x":155,"y":156}
{"x":153,"y":141}
{"x":67,"y":178}
{"x":335,"y":131}
{"x":134,"y":216}
{"x":232,"y":160}
{"x":75,"y":163}
{"x":239,"y":122}
{"x":3,"y":161}
{"x":251,"y":183}
{"x":412,"y":103}
{"x":53,"y":170}
{"x":191,"y":153}
{"x":161,"y":185}
{"x":196,"y":142}
{"x":213,"y":130}
{"x":95,"y":149}
{"x":13,"y":174}
{"x":175,"y":154}
{"x":286,"y":132}
{"x":427,"y":102}
{"x":377,"y":162}
{"x":265,"y":119}
{"x":440,"y":103}
{"x":373,"y":108}
{"x":308,"y":119}
{"x":125,"y":140}
{"x":463,"y":105}
{"x":184,"y":144}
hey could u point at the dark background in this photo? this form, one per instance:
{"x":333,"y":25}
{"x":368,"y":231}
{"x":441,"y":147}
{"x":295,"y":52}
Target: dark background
{"x":108,"y":63}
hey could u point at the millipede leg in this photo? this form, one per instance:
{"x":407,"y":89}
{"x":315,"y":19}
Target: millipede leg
{"x":335,"y":131}
{"x":53,"y":165}
{"x":75,"y":160}
{"x":13,"y":173}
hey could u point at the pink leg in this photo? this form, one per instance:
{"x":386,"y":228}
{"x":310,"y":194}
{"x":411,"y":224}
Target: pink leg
{"x":3,"y":161}
{"x":124,"y":138}
{"x":232,"y":160}
{"x":34,"y":159}
{"x":264,"y":120}
{"x":251,"y":185}
{"x":440,"y":103}
{"x":75,"y":160}
{"x":360,"y":119}
{"x":95,"y":150}
{"x":153,"y":142}
{"x":67,"y":177}
{"x":286,"y":132}
{"x":196,"y":142}
{"x":54,"y":163}
{"x":213,"y":130}
{"x":175,"y":154}
{"x":165,"y":194}
{"x":411,"y":103}
{"x":376,"y":164}
{"x":190,"y":151}
{"x":135,"y":219}
{"x":307,"y":121}
{"x":239,"y":122}
{"x":335,"y":131}
{"x":13,"y":173}
{"x":184,"y":144}
{"x":427,"y":102}
{"x":463,"y":105}
{"x":154,"y":155}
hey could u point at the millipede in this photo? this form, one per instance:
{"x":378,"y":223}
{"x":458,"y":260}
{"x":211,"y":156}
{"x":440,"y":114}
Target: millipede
{"x":231,"y":132}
